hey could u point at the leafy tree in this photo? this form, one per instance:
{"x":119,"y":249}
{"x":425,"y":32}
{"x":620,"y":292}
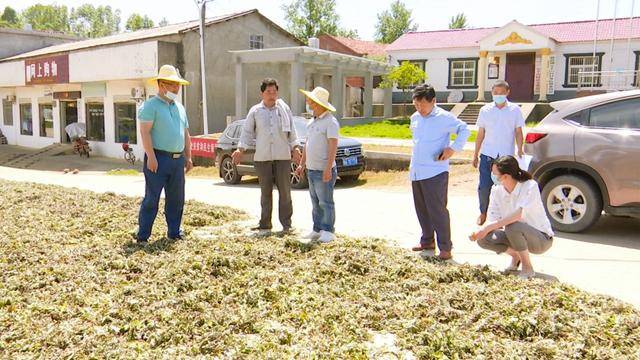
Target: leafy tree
{"x":403,"y":77}
{"x":137,"y":22}
{"x":163,"y":22}
{"x":394,"y":22}
{"x":458,"y":22}
{"x":47,"y":17}
{"x":9,"y":18}
{"x":93,"y":22}
{"x":311,"y":18}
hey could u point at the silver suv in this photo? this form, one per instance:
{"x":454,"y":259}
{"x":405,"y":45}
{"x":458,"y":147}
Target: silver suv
{"x":586,"y":158}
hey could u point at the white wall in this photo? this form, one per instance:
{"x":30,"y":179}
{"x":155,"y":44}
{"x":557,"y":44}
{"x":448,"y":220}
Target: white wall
{"x":12,"y":73}
{"x":132,"y":61}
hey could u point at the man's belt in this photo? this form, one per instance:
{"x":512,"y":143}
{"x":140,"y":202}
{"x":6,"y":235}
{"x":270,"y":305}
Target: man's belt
{"x":173,"y":155}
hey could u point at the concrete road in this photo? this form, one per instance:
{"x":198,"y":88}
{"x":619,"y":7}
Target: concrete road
{"x":604,"y":260}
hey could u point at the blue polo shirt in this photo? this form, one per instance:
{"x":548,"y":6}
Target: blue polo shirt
{"x":169,"y":122}
{"x":431,"y":135}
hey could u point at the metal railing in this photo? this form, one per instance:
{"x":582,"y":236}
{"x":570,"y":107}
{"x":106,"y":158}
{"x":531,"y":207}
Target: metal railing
{"x":609,"y":80}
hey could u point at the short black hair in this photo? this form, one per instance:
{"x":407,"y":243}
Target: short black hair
{"x":502,"y":84}
{"x":424,"y":91}
{"x":268,"y":82}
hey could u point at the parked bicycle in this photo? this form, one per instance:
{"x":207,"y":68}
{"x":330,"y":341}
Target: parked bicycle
{"x":129,"y":156}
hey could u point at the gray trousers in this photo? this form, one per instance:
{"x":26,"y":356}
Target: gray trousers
{"x":430,"y":200}
{"x":278,"y":172}
{"x":518,"y":236}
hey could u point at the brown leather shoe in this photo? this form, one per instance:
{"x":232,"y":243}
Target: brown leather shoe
{"x":422,"y":248}
{"x":445,"y":255}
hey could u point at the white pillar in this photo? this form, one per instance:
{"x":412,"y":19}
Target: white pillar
{"x":297,"y":83}
{"x":368,"y":95}
{"x":337,"y":92}
{"x":388,"y":103}
{"x":544,"y":74}
{"x":241,"y":91}
{"x":482,"y":75}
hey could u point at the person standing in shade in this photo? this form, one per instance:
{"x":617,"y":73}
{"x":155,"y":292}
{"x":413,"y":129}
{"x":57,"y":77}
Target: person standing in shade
{"x":499,"y":127}
{"x":272,"y":126}
{"x":167,"y":145}
{"x":319,"y":158}
{"x":431,"y":128}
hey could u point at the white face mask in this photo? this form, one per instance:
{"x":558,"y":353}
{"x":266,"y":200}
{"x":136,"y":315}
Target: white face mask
{"x":308,"y":108}
{"x":171,"y":95}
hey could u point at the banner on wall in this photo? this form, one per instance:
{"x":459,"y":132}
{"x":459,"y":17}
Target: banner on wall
{"x":47,"y":70}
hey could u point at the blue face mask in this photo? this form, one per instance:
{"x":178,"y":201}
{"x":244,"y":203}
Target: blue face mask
{"x":495,"y":179}
{"x":500,"y":99}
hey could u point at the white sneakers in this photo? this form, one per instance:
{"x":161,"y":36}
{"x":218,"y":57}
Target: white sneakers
{"x":322,"y":236}
{"x":326,"y":237}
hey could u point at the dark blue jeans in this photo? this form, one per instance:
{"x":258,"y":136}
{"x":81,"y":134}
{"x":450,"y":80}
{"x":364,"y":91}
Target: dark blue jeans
{"x":484,"y":187}
{"x":324,"y":209}
{"x":170,"y":177}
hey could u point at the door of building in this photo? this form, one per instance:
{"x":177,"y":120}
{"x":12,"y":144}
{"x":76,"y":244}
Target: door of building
{"x":68,"y":115}
{"x":520,"y":74}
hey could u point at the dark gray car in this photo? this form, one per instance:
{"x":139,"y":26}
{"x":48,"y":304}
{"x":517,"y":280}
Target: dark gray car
{"x":586,"y":158}
{"x":349,"y":159}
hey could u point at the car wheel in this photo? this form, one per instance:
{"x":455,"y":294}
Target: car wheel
{"x":573,"y":204}
{"x":298,"y":182}
{"x":350,"y":178}
{"x":229,"y":171}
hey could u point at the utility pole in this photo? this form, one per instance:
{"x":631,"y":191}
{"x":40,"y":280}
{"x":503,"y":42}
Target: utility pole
{"x":203,"y":13}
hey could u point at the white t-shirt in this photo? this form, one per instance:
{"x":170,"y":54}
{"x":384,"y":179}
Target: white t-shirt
{"x":525,"y":196}
{"x":499,"y":128}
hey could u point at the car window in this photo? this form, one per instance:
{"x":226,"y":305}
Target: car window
{"x":580,"y":117}
{"x":623,"y":114}
{"x":237,"y":131}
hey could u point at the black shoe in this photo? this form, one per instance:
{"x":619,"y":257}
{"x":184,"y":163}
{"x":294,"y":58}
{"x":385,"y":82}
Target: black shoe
{"x":181,"y":235}
{"x":142,"y":242}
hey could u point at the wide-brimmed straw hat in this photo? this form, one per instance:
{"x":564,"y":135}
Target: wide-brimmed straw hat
{"x":320,"y":96}
{"x":169,"y":73}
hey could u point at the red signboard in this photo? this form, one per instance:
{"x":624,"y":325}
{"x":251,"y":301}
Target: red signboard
{"x":47,"y":70}
{"x":204,"y":147}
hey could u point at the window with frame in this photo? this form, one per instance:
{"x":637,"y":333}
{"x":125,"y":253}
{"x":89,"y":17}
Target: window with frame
{"x":125,"y":122}
{"x":621,"y":114}
{"x":7,"y":113}
{"x":26,"y":119}
{"x":582,"y":63}
{"x":256,"y":42}
{"x":46,"y":120}
{"x":636,"y":78}
{"x":95,"y":121}
{"x":463,"y":73}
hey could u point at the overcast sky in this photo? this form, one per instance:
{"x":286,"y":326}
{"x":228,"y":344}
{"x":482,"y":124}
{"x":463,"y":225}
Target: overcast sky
{"x":362,"y":15}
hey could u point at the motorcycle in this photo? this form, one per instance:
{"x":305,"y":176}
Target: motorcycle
{"x":78,"y":134}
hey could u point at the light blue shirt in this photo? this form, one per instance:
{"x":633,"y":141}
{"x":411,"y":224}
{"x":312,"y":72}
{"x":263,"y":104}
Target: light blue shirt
{"x":499,"y":128}
{"x":169,"y":122}
{"x":431,"y":135}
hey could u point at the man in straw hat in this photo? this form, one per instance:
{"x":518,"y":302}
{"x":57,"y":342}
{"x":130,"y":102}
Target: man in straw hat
{"x":319,"y":158}
{"x":272,"y":126}
{"x":167,"y":145}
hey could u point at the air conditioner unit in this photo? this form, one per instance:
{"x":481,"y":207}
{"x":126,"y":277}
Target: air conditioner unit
{"x":11,"y":98}
{"x":137,"y":93}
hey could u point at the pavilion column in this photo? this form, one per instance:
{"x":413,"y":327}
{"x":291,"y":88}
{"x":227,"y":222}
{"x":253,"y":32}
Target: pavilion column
{"x":337,"y":92}
{"x":297,"y":83}
{"x":482,"y":75}
{"x":241,"y":90}
{"x":544,"y":74}
{"x":368,"y":95}
{"x":388,"y":102}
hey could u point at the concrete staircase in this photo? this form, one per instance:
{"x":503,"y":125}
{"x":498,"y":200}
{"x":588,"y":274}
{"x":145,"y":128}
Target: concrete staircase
{"x":470,"y":113}
{"x":25,"y":161}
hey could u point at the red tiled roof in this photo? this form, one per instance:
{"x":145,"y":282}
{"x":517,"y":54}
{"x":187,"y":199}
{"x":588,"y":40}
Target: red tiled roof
{"x":576,"y":31}
{"x":362,"y":46}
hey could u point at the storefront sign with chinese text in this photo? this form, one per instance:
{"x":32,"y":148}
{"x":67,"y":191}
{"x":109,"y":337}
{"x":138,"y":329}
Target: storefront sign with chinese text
{"x":47,"y":70}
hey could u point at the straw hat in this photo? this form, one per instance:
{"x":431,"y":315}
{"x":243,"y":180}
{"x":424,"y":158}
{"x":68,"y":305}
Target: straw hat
{"x":320,"y":96}
{"x":169,"y":73}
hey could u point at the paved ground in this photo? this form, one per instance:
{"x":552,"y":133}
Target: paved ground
{"x":604,"y":260}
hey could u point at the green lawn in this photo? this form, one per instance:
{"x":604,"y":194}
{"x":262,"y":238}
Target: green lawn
{"x":393,"y":129}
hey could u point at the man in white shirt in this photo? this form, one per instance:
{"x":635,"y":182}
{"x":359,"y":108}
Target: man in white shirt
{"x":499,"y":127}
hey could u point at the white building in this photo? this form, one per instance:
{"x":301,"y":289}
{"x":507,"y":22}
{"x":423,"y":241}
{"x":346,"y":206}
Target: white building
{"x":529,"y":57}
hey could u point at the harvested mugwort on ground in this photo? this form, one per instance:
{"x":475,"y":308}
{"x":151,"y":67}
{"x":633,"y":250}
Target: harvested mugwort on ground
{"x":74,"y":285}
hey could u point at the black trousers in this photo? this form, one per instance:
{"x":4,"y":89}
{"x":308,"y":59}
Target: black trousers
{"x":430,"y":200}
